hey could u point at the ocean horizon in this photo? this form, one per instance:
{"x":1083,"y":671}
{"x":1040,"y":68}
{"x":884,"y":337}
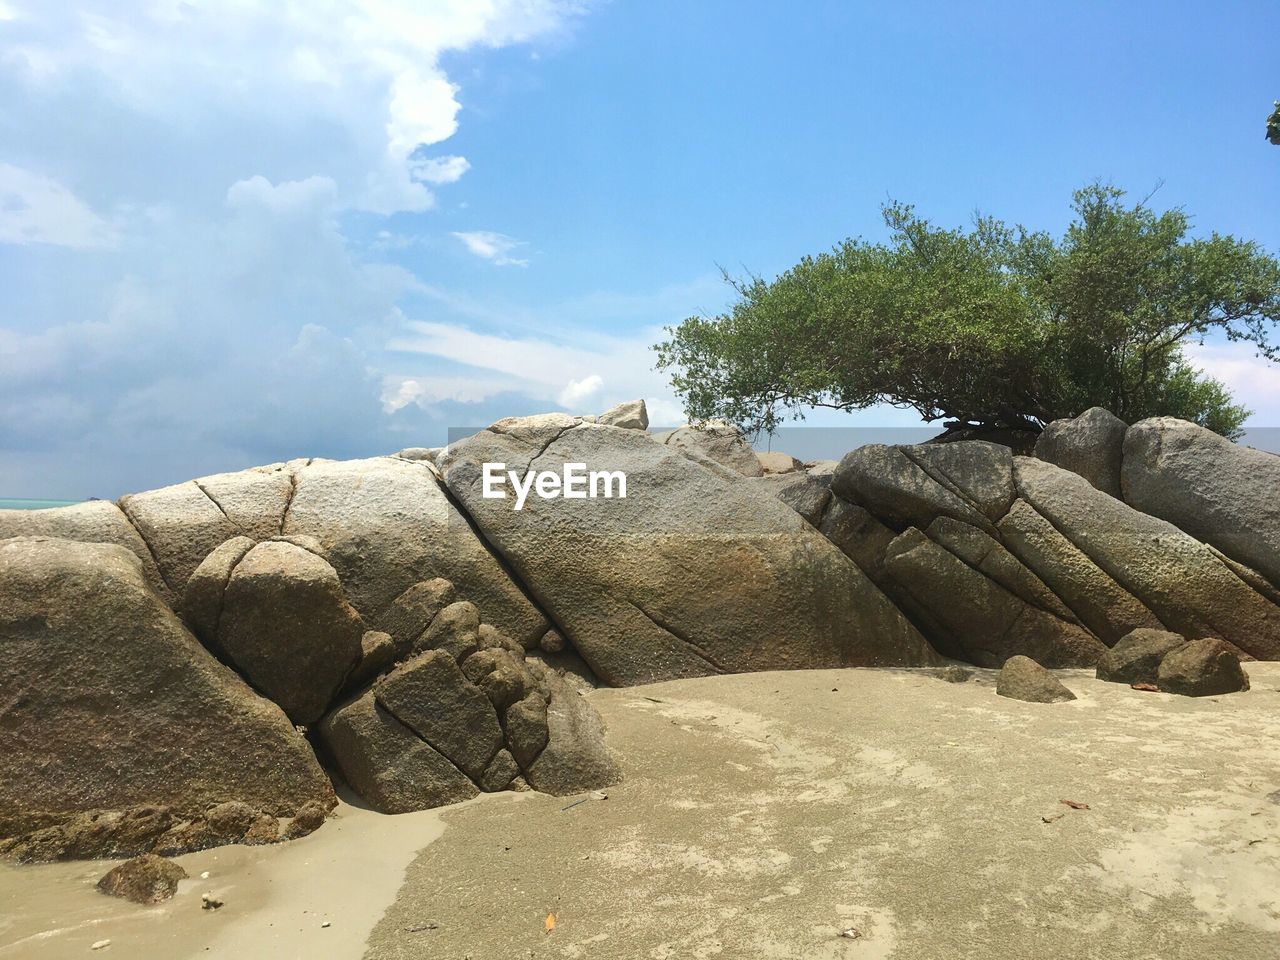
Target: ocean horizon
{"x":18,"y":503}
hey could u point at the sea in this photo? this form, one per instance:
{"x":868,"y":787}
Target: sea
{"x":10,"y":503}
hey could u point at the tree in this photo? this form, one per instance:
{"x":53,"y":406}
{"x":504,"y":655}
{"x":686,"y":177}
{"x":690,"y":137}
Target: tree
{"x":1273,"y":125}
{"x":991,"y":327}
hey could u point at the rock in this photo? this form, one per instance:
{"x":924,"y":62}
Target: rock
{"x":490,"y":637}
{"x":1173,"y":575}
{"x":409,"y":615}
{"x":575,"y":757}
{"x":230,"y":821}
{"x":430,"y":695}
{"x":1220,"y":492}
{"x":567,"y":665}
{"x":110,"y":705}
{"x":1091,"y":445}
{"x":287,"y":626}
{"x":987,"y":555}
{"x":1202,"y":668}
{"x":526,"y":728}
{"x":377,"y":654}
{"x":90,"y":835}
{"x":859,"y":535}
{"x":913,"y":485}
{"x":146,"y":879}
{"x":1098,"y":602}
{"x":1021,"y":678}
{"x":981,"y":621}
{"x":95,"y":521}
{"x":501,"y":771}
{"x":690,"y":574}
{"x":776,"y":462}
{"x":551,"y":642}
{"x":201,"y":605}
{"x":806,"y":495}
{"x":386,"y":763}
{"x":264,"y":830}
{"x":500,"y":676}
{"x":632,"y":415}
{"x":255,"y":500}
{"x":306,"y":821}
{"x":456,"y":629}
{"x":1136,"y":657}
{"x":181,"y":525}
{"x":718,"y":441}
{"x":386,"y":525}
{"x":954,"y":674}
{"x":419,"y":453}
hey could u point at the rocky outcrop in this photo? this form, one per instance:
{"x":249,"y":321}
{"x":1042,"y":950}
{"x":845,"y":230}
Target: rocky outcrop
{"x":1202,"y":668}
{"x":692,"y":573}
{"x":1091,"y":445}
{"x":1175,"y":576}
{"x":1217,"y":491}
{"x":1021,"y":678}
{"x":118,"y":724}
{"x":632,"y":415}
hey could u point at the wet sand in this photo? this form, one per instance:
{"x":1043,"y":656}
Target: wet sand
{"x":763,"y":815}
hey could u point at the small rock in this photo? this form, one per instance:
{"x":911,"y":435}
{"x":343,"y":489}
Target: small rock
{"x":325,"y":924}
{"x":1021,"y":678}
{"x":209,"y":902}
{"x":308,"y":819}
{"x":145,"y":879}
{"x":954,"y":674}
{"x":632,"y":415}
{"x":100,"y":944}
{"x":1202,"y":668}
{"x":551,"y":642}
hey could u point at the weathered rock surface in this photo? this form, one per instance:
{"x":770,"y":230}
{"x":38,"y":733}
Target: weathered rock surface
{"x":1021,"y":678}
{"x":145,"y":879}
{"x":806,"y":495}
{"x":1202,"y":668}
{"x":116,"y":719}
{"x":774,"y":461}
{"x":980,"y":620}
{"x":576,"y":757}
{"x":95,"y":521}
{"x":1100,"y":603}
{"x":1091,"y":445}
{"x":411,"y":613}
{"x":288,"y":628}
{"x":632,"y":415}
{"x":690,"y":574}
{"x":1220,"y":492}
{"x":201,"y":605}
{"x":386,"y":525}
{"x":860,"y":536}
{"x":387,"y":763}
{"x":718,"y":441}
{"x":1136,"y":657}
{"x":430,"y":696}
{"x":1176,"y":577}
{"x":181,"y":525}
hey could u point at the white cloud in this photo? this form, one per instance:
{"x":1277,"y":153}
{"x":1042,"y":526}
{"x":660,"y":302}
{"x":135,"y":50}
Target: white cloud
{"x":492,"y":246}
{"x":576,"y":391}
{"x":367,"y":72}
{"x":37,"y":209}
{"x":1253,"y":381}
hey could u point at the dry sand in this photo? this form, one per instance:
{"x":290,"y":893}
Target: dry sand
{"x":762,"y":815}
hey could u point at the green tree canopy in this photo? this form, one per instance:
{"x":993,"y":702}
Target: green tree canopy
{"x":994,"y":326}
{"x":1273,"y":125}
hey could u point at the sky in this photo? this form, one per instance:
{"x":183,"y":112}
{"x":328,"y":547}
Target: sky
{"x":234,"y":232}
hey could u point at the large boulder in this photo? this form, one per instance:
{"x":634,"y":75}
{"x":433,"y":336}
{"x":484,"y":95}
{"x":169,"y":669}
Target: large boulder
{"x":1202,"y":668}
{"x":911,"y":485}
{"x":975,"y":618}
{"x":718,"y":441}
{"x":94,"y":521}
{"x":388,"y":764}
{"x":575,"y":756}
{"x":1137,"y":657}
{"x":1100,"y":603}
{"x":117,"y":721}
{"x":1217,"y":491}
{"x":385,"y":525}
{"x":860,"y":536}
{"x":1091,"y":445}
{"x":1176,"y":577}
{"x":287,"y":625}
{"x":691,"y":573}
{"x":1021,"y":678}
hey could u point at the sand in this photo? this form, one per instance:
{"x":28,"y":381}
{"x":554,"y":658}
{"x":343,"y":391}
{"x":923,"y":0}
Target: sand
{"x":764,"y":814}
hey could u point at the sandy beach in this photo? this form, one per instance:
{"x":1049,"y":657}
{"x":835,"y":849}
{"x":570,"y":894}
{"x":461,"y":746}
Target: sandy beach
{"x":813,"y":814}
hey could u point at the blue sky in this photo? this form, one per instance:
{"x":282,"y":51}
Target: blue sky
{"x":236,"y":232}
